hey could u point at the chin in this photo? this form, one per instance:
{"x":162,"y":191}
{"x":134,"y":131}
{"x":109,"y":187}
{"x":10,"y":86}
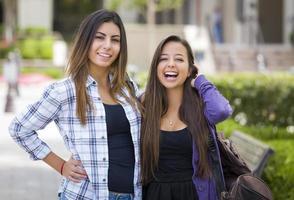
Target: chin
{"x":104,"y":65}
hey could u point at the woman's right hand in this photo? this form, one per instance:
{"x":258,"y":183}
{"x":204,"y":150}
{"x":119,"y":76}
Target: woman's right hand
{"x":74,"y":171}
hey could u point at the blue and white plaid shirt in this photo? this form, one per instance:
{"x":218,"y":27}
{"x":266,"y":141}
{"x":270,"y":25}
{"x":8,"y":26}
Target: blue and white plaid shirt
{"x":87,"y":143}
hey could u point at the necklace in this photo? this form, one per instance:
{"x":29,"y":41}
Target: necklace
{"x":170,"y":122}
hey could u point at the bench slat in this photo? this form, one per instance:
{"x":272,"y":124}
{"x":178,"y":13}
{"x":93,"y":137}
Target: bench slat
{"x":252,"y":151}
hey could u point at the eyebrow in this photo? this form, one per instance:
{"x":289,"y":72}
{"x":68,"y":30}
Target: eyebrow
{"x":163,"y":54}
{"x":105,"y":34}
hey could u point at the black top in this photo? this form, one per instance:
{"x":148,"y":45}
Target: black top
{"x":175,"y":152}
{"x":120,"y":150}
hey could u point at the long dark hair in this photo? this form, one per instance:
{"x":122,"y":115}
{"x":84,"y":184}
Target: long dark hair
{"x":156,"y":105}
{"x":77,"y":66}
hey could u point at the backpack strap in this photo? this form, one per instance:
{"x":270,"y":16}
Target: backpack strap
{"x":216,"y":166}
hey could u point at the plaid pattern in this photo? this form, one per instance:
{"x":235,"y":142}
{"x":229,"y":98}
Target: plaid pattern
{"x":87,"y":143}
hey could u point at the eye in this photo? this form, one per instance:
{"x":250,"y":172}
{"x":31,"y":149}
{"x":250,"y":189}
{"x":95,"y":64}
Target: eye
{"x":100,"y":37}
{"x":162,"y":59}
{"x":115,"y":40}
{"x":180,"y":59}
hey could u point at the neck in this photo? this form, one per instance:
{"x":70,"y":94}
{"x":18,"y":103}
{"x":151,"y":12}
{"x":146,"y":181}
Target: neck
{"x":174,"y":97}
{"x":100,"y":75}
{"x":171,"y":120}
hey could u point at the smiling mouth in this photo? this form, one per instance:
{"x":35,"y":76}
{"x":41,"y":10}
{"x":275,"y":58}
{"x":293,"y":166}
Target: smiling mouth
{"x":104,"y":55}
{"x":170,"y":75}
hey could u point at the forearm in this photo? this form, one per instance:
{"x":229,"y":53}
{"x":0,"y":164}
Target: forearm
{"x":54,"y":161}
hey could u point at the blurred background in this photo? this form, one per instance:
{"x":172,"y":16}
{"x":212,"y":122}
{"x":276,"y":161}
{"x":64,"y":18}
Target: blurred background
{"x":246,"y":47}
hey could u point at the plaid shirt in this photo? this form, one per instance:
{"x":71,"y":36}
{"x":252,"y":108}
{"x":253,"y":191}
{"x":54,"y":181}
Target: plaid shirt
{"x":87,"y":143}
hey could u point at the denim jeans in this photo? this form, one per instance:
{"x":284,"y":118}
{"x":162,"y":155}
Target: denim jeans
{"x":120,"y":196}
{"x":61,"y":196}
{"x":112,"y":196}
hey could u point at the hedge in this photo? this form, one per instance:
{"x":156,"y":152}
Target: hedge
{"x":259,"y":99}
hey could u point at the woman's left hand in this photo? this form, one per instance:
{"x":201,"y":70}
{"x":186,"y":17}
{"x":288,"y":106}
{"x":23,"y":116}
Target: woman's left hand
{"x":193,"y":80}
{"x":74,"y":171}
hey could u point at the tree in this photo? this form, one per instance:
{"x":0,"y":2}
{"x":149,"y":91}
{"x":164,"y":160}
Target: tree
{"x":9,"y":20}
{"x":147,"y":7}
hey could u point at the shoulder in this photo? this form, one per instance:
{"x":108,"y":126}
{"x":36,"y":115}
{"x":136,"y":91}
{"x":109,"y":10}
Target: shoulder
{"x":61,"y":89}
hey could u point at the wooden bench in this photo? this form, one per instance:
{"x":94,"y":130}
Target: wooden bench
{"x":252,"y":151}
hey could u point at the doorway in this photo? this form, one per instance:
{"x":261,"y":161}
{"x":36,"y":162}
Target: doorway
{"x":271,"y":20}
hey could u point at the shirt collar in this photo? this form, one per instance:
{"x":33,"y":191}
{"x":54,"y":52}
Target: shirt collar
{"x":91,"y":80}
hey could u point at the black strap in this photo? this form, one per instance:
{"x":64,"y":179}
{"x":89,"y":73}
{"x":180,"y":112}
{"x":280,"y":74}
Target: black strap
{"x":216,"y":167}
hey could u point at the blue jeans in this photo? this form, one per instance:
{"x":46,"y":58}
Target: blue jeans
{"x":120,"y":196}
{"x":61,"y":196}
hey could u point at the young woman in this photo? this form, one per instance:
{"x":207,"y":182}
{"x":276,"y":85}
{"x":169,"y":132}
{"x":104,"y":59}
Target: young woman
{"x":97,"y":113}
{"x":177,"y":121}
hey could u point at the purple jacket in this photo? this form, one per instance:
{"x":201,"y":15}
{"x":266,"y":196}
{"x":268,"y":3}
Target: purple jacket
{"x":217,"y":109}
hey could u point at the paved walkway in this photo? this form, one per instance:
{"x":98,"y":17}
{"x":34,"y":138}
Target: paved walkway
{"x":20,"y":177}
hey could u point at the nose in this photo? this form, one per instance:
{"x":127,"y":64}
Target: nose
{"x":171,"y":63}
{"x":107,"y":43}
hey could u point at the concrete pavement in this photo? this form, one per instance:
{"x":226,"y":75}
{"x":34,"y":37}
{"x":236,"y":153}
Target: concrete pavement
{"x":20,"y":177}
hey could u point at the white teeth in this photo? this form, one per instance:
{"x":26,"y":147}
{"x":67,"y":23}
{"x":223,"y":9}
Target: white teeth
{"x":105,"y":55}
{"x":171,"y":73}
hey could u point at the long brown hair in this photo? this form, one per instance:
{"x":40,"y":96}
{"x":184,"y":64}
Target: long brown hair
{"x":77,"y":66}
{"x":156,"y":105}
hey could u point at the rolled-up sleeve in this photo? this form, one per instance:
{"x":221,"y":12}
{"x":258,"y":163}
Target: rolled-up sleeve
{"x":216,"y":106}
{"x":23,"y":128}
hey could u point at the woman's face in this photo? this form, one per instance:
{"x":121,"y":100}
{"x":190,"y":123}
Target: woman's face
{"x":173,"y":66}
{"x":105,"y":47}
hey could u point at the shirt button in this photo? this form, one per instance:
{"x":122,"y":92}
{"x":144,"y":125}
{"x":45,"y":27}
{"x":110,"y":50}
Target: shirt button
{"x":102,"y":137}
{"x":94,"y":82}
{"x":104,"y":180}
{"x":104,"y":159}
{"x":99,"y":98}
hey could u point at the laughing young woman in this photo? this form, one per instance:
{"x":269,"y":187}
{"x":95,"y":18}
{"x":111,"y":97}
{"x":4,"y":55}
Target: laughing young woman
{"x":177,"y":122}
{"x":96,"y":111}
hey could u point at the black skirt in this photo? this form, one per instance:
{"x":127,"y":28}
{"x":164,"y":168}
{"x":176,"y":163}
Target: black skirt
{"x":177,"y":186}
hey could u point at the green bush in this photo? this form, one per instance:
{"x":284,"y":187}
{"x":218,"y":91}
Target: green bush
{"x":34,"y":31}
{"x":36,"y":42}
{"x":279,"y":173}
{"x":259,"y":99}
{"x":140,"y":78}
{"x":53,"y":72}
{"x":37,"y":48}
{"x":5,"y":49}
{"x":260,"y":132}
{"x":29,"y":48}
{"x":46,"y":47}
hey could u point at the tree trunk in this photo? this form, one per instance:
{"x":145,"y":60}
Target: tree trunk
{"x":151,"y":26}
{"x":151,"y":12}
{"x":9,"y":20}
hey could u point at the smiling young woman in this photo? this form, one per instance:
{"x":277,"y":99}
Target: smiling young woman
{"x":97,"y":114}
{"x":177,"y":121}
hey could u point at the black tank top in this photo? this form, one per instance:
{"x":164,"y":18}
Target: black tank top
{"x":120,"y":150}
{"x":175,"y":152}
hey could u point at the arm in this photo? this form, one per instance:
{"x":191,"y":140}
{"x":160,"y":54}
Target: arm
{"x":35,"y":117}
{"x":216,"y":106}
{"x":23,"y":129}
